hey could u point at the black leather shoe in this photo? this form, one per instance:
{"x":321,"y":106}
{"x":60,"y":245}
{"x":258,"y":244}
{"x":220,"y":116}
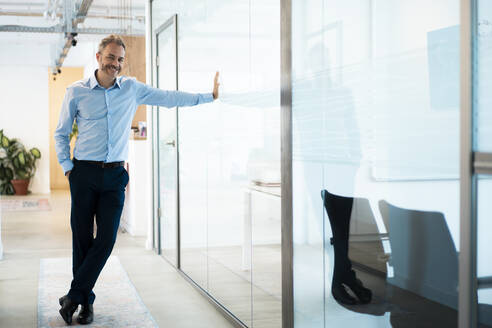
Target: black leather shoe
{"x":340,"y":294}
{"x":363,"y":294}
{"x":351,"y":281}
{"x":67,"y":308}
{"x":86,"y":314}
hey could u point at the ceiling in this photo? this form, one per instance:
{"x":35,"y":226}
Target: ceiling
{"x":122,"y":14}
{"x":124,"y":17}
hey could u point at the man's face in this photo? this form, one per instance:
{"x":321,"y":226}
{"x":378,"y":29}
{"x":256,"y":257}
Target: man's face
{"x":111,"y":59}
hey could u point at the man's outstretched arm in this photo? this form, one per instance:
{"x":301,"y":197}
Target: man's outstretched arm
{"x":149,"y":95}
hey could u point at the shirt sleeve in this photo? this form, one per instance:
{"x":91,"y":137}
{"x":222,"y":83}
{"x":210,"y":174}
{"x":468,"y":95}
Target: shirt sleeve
{"x":148,"y":95}
{"x":63,"y":130}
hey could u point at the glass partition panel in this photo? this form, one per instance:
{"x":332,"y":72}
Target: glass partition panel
{"x":194,"y":197}
{"x":375,"y":163}
{"x":221,"y":37}
{"x":229,"y":152}
{"x":482,"y":72}
{"x":484,"y":265}
{"x":168,"y":165}
{"x":193,"y":178}
{"x":263,"y":166}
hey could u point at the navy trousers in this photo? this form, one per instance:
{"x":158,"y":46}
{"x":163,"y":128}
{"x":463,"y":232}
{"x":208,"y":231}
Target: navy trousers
{"x":96,"y":192}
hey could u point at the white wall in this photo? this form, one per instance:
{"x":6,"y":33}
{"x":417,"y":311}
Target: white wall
{"x":24,"y":113}
{"x":84,"y":54}
{"x":24,"y":104}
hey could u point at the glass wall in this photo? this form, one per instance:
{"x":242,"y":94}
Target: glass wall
{"x":482,"y":100}
{"x":229,"y":152}
{"x":375,"y":138}
{"x":166,"y":73}
{"x":482,"y":71}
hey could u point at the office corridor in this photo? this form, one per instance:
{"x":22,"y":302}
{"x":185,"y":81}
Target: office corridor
{"x":29,"y":236}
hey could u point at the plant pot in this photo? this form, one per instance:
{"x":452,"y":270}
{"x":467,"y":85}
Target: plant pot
{"x":20,"y":186}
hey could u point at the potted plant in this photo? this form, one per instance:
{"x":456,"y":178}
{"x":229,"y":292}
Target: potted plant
{"x":17,"y":166}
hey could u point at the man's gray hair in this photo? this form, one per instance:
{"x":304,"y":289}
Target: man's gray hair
{"x":113,"y":38}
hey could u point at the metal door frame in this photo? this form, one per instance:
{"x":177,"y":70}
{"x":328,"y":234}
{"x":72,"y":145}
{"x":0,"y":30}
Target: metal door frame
{"x":172,"y":22}
{"x":287,"y":248}
{"x":467,"y":264}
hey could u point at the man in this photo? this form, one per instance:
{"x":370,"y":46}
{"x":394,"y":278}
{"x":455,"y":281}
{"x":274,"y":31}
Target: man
{"x":103,"y":106}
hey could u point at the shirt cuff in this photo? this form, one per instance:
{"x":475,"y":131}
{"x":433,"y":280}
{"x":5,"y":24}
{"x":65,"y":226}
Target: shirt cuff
{"x":208,"y":97}
{"x":67,"y":166}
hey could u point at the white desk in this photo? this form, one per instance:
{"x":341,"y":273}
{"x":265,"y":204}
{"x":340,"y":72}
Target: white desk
{"x":269,"y":192}
{"x":137,"y":212}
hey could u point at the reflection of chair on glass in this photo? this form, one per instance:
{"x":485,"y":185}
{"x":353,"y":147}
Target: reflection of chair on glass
{"x":424,"y":257}
{"x":423,"y":254}
{"x":368,"y":239}
{"x":339,"y":210}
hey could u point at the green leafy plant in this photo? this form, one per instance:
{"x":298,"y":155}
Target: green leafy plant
{"x":75,"y":131}
{"x":15,"y":162}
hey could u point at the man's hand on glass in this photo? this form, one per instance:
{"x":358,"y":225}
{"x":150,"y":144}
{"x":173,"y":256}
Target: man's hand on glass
{"x":216,"y":86}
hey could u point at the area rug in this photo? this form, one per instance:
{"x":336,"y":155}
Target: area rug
{"x":117,"y":302}
{"x":12,"y":204}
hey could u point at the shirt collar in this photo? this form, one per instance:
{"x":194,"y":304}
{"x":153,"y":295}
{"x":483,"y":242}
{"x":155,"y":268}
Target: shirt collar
{"x":118,"y":78}
{"x":93,"y":81}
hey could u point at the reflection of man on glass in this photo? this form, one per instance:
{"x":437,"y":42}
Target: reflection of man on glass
{"x":103,"y":106}
{"x":339,"y":210}
{"x":335,"y":140}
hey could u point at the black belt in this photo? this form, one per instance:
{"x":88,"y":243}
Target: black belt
{"x":100,"y":164}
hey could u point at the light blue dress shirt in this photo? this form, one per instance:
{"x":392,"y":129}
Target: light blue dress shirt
{"x":104,"y":117}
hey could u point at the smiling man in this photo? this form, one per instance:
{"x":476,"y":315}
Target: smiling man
{"x":103,"y":106}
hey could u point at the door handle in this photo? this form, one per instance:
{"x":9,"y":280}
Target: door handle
{"x":171,"y":143}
